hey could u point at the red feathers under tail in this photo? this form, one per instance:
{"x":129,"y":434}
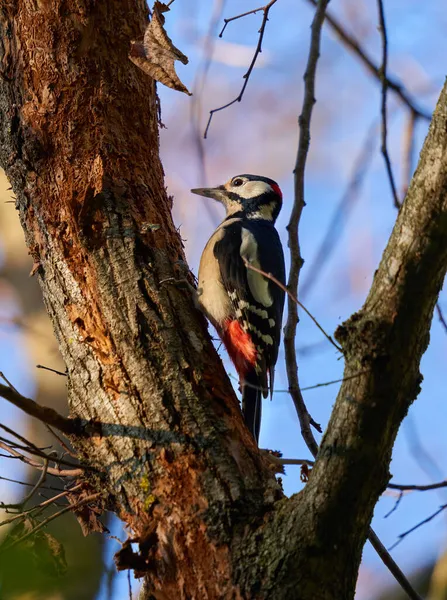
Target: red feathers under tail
{"x":240,"y":347}
{"x":244,"y":355}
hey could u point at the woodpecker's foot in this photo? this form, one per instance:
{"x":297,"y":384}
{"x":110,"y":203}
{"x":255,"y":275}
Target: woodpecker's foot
{"x":182,"y":283}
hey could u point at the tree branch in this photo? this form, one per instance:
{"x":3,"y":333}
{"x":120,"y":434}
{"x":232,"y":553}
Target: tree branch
{"x":71,"y":507}
{"x":383,"y":77}
{"x":42,"y":413}
{"x":387,"y":338}
{"x":420,"y":488}
{"x":393,"y":84}
{"x":296,"y":260}
{"x":40,"y":467}
{"x":403,"y":535}
{"x":258,"y":50}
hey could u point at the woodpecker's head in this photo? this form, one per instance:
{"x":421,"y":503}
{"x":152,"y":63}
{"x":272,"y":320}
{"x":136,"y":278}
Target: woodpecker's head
{"x":251,"y":196}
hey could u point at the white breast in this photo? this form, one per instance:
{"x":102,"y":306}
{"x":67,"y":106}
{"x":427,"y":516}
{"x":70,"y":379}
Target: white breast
{"x":212,"y":295}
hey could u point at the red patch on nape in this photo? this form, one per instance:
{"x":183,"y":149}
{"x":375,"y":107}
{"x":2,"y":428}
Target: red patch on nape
{"x":239,"y":346}
{"x":275,"y":187}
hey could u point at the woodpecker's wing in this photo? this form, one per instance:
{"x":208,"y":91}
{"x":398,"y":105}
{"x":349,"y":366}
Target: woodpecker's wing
{"x":258,"y":302}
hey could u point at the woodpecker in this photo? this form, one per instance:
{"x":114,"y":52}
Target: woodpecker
{"x":244,"y":306}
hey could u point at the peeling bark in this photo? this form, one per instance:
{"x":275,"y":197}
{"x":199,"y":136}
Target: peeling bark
{"x":79,"y":143}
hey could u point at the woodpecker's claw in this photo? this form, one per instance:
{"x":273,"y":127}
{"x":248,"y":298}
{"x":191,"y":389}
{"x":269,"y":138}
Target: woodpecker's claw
{"x":183,"y":283}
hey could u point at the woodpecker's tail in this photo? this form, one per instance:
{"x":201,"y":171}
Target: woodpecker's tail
{"x":252,"y":402}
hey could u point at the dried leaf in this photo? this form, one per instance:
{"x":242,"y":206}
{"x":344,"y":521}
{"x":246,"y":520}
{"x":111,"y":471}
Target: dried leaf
{"x":87,"y":514}
{"x":156,"y":55}
{"x":305,"y":472}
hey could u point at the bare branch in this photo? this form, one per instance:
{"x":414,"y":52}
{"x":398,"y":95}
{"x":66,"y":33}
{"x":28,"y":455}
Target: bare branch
{"x":392,"y":566}
{"x":325,"y":383}
{"x":52,"y":370}
{"x":31,"y":448}
{"x":423,"y":522}
{"x":396,"y":504}
{"x":441,"y":316}
{"x":45,"y":522}
{"x":295,"y":300}
{"x":419,"y":488}
{"x":245,"y":14}
{"x":258,"y":50}
{"x":295,"y":252}
{"x":27,"y":483}
{"x":303,"y":389}
{"x":31,"y":493}
{"x":42,"y":413}
{"x":62,"y":442}
{"x":383,"y":72}
{"x":40,"y":467}
{"x":393,"y":84}
{"x":39,"y":508}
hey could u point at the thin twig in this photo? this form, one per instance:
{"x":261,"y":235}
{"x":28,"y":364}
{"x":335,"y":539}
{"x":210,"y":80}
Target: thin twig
{"x":396,"y":504}
{"x":393,"y":84}
{"x":27,"y":483}
{"x":62,"y":442}
{"x":246,"y":77}
{"x":3,"y":376}
{"x":42,"y":413}
{"x":30,"y":448}
{"x":36,"y":486}
{"x":419,"y":488}
{"x":383,"y":72}
{"x":424,"y":522}
{"x":45,"y":522}
{"x":40,"y":507}
{"x":295,"y":300}
{"x":129,"y":584}
{"x":441,"y":316}
{"x":36,"y":465}
{"x":324,"y":384}
{"x":52,"y":370}
{"x":392,"y":566}
{"x":304,"y":389}
{"x":249,"y":12}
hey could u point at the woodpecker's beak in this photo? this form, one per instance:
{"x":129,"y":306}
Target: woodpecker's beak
{"x":217,"y":193}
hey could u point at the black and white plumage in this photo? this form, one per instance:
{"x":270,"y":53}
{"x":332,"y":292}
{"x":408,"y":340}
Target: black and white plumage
{"x":245,"y":307}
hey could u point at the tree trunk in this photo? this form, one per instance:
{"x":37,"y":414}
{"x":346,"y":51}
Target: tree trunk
{"x":160,"y":422}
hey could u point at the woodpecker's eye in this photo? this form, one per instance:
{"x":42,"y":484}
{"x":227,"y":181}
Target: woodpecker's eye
{"x":238,"y":182}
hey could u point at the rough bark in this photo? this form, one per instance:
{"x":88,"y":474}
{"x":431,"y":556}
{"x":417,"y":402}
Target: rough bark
{"x":79,"y":142}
